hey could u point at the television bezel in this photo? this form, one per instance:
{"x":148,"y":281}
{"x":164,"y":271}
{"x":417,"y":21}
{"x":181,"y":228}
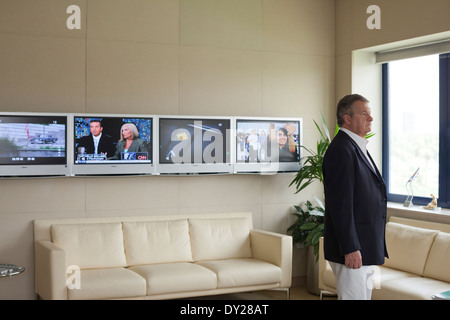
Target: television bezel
{"x":108,"y":168}
{"x":273,"y":167}
{"x":38,"y":170}
{"x":195,"y":168}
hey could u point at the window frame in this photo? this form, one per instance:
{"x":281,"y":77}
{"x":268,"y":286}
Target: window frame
{"x":444,"y":136}
{"x":444,"y":130}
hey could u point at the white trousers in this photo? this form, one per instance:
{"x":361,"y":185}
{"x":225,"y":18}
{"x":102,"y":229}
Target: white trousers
{"x":353,"y":284}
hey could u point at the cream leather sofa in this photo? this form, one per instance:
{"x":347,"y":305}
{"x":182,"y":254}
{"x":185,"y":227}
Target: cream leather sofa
{"x":157,"y":257}
{"x":418,"y":266}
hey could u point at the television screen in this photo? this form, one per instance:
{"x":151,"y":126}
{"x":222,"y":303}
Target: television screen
{"x":28,"y":140}
{"x":189,"y":140}
{"x":105,"y":139}
{"x":268,"y":141}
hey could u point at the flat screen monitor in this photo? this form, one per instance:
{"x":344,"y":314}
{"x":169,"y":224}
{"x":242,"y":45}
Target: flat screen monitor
{"x":267,"y":145}
{"x":33,"y":144}
{"x":112,"y":144}
{"x":194,"y":145}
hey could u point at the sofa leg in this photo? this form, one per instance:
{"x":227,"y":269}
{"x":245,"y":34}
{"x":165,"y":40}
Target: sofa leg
{"x":326,"y":294}
{"x":287,"y":290}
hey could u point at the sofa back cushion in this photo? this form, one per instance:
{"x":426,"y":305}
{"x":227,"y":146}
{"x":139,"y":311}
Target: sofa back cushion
{"x":408,"y":247}
{"x":213,"y":239}
{"x":148,"y":242}
{"x":438,"y":263}
{"x":94,"y":245}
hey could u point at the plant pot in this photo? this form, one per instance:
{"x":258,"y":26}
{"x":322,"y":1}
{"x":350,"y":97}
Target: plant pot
{"x":312,"y":272}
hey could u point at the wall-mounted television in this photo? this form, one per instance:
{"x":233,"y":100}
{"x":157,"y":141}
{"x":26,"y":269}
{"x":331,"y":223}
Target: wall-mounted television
{"x":267,"y":145}
{"x":194,"y":145}
{"x":107,"y":144}
{"x":33,"y":144}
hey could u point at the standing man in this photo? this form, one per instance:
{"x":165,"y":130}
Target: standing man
{"x":355,"y":203}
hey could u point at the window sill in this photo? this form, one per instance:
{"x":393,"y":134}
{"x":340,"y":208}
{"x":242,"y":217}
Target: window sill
{"x":418,"y":212}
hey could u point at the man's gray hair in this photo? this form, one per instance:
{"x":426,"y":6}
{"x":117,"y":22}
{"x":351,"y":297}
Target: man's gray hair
{"x":345,"y":106}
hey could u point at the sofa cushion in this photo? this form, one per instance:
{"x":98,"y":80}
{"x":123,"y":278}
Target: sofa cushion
{"x":328,"y":276}
{"x":176,"y":277}
{"x":438,"y":262}
{"x":108,"y":283}
{"x":380,"y":275}
{"x":148,"y":242}
{"x":408,"y":247}
{"x":387,"y":274}
{"x":243,"y":272}
{"x":94,"y":245}
{"x":213,"y":239}
{"x":409,"y":288}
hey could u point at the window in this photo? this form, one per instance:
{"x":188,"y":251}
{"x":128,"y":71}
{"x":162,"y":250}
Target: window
{"x":416,"y":128}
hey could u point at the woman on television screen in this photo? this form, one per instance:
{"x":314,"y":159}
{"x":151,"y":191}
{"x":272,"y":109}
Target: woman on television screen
{"x":129,"y":143}
{"x":286,"y":143}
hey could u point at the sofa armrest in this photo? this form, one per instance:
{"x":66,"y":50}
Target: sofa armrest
{"x":326,"y":275}
{"x":50,"y":271}
{"x":322,"y":264}
{"x":274,"y":248}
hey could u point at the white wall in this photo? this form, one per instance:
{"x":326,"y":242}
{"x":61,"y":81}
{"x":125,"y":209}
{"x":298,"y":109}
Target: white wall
{"x":188,"y":57}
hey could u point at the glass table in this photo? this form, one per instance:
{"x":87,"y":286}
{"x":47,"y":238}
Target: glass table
{"x":9,"y":270}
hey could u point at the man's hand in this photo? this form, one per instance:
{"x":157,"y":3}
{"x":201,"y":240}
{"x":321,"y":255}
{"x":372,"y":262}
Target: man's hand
{"x":353,"y":260}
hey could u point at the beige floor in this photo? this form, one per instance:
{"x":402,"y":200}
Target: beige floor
{"x":296,"y":293}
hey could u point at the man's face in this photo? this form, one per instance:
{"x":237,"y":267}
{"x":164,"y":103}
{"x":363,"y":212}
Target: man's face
{"x":361,"y":120}
{"x":95,"y":128}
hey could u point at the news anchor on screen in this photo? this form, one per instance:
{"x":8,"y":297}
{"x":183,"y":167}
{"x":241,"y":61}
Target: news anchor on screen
{"x":129,"y":142}
{"x":97,"y":142}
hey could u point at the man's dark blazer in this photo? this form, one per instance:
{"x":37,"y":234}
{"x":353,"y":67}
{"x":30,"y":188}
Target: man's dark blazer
{"x":355,"y":203}
{"x":106,"y":144}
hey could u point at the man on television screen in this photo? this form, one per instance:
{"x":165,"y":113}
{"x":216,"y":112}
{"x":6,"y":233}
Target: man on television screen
{"x":97,"y":142}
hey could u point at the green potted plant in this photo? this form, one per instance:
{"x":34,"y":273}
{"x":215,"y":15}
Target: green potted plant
{"x":309,"y":225}
{"x":311,"y":169}
{"x":308,"y":228}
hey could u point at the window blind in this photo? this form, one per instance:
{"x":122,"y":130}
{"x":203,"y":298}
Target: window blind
{"x":413,"y":51}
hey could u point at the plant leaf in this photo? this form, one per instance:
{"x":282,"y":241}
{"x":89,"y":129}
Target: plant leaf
{"x":308,"y":226}
{"x":319,"y":202}
{"x":325,"y":128}
{"x":336,"y":130}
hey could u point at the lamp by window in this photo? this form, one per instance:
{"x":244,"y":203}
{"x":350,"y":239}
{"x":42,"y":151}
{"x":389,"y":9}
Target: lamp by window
{"x":409,"y":198}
